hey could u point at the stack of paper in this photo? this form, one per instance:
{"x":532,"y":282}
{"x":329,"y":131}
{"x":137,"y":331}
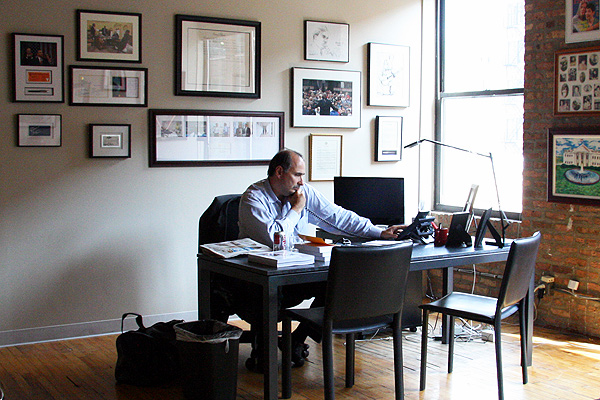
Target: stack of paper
{"x":321,"y":251}
{"x":281,"y":258}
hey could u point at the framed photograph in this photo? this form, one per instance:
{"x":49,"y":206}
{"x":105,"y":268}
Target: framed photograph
{"x":198,"y":138}
{"x":325,"y":160}
{"x":574,"y":165}
{"x":577,"y":86}
{"x":388,"y":70}
{"x":326,"y":41}
{"x":217,"y":57}
{"x":109,"y":36}
{"x":388,"y":138}
{"x":104,"y":86}
{"x":39,"y":130}
{"x":110,"y":140}
{"x":325,"y":98}
{"x":581,"y":21}
{"x":38,"y":68}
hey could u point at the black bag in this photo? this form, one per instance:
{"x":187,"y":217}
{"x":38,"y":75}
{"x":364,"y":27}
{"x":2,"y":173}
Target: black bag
{"x":147,"y":356}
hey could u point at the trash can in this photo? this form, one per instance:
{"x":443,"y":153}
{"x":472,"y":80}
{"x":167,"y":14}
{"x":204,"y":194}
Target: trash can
{"x":208,"y":354}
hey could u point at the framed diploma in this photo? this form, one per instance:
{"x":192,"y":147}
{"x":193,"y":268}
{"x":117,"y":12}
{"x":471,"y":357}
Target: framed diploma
{"x":217,"y":57}
{"x":325,"y":157}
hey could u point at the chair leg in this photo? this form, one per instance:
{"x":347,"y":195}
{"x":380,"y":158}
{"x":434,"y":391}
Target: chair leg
{"x":522,"y":332}
{"x":398,"y":358}
{"x":327,"y":349}
{"x":424,"y":329}
{"x":498,"y":346}
{"x":350,"y":359}
{"x":286,"y":367}
{"x":451,"y":345}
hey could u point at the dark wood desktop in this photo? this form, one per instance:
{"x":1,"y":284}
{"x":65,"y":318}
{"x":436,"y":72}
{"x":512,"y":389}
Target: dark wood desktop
{"x":424,"y":257}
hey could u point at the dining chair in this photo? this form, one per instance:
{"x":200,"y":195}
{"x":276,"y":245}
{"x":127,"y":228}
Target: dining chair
{"x":518,"y":272}
{"x":365,"y":292}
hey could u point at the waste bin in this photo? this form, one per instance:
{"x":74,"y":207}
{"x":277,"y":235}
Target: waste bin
{"x":208,"y":354}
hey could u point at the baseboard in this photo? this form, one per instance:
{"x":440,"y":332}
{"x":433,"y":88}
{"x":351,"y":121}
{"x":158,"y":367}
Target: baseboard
{"x":93,"y":328}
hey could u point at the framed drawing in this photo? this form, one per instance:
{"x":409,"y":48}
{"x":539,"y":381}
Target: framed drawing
{"x":388,"y":138}
{"x":197,"y":138}
{"x":108,"y":86}
{"x":388,"y":70}
{"x":38,"y":68}
{"x":109,"y":36}
{"x":110,"y":140}
{"x":217,"y":57}
{"x":39,"y":130}
{"x":325,"y":157}
{"x":577,"y":85}
{"x":325,"y":98}
{"x":581,"y":20}
{"x":574,"y":165}
{"x":326,"y":41}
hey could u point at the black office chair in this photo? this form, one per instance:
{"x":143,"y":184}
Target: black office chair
{"x":519,"y":270}
{"x":365,"y":291}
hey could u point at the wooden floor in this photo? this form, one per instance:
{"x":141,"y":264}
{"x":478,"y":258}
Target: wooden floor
{"x":565,"y":367}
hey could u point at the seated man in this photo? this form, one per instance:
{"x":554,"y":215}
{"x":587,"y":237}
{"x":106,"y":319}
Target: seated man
{"x":283,"y":202}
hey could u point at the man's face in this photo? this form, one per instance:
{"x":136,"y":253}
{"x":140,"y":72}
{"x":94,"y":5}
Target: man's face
{"x":291,"y":180}
{"x":589,"y":13}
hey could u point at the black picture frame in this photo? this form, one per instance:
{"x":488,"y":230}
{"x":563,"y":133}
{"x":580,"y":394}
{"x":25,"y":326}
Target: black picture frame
{"x":119,"y":39}
{"x":237,"y":70}
{"x":110,"y":140}
{"x":200,"y":138}
{"x":38,"y":68}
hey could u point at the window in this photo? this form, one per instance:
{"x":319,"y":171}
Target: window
{"x":480,"y":103}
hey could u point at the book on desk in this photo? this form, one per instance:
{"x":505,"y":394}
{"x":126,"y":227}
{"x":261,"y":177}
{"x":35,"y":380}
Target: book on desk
{"x":281,"y":258}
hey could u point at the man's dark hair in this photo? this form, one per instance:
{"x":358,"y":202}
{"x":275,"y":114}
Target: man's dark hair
{"x":283,"y":159}
{"x":591,"y":6}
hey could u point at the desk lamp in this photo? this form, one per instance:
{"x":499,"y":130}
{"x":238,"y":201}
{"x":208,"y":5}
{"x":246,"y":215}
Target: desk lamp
{"x":503,"y":219}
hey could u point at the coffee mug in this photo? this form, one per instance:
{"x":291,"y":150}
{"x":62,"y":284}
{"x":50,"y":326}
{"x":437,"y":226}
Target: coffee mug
{"x":441,"y":236}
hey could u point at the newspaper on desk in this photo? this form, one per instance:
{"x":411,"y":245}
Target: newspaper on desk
{"x":233,"y":248}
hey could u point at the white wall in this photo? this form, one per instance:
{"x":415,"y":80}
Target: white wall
{"x":83,"y":240}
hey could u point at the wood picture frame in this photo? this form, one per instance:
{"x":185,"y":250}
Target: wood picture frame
{"x":577,"y":81}
{"x":217,"y":57}
{"x":574,"y":165}
{"x":109,"y":36}
{"x":198,"y":138}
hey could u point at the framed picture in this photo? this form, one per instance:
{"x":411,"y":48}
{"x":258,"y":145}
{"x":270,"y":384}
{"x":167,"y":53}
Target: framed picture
{"x":577,"y":85}
{"x":388,"y":138}
{"x":388,"y":71}
{"x":326,"y":41}
{"x":574,"y":165}
{"x":109,"y":36}
{"x":325,"y":157}
{"x":197,"y":138}
{"x":217,"y":57}
{"x":110,"y":140}
{"x":38,"y":68}
{"x":107,"y":86}
{"x":325,"y":98}
{"x":39,"y":130}
{"x":581,"y":21}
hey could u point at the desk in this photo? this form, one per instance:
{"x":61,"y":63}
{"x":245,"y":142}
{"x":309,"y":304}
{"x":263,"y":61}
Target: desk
{"x":424,"y":257}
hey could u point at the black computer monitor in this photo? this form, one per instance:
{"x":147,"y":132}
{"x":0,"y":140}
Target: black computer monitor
{"x":379,"y":199}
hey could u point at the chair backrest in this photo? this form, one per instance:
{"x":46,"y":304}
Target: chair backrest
{"x":520,"y":267}
{"x":367,"y":281}
{"x":220,"y":220}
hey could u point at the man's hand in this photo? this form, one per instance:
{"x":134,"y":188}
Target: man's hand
{"x":392,"y":232}
{"x":298,"y":200}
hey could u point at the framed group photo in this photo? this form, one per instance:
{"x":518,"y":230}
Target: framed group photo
{"x":196,"y":138}
{"x":95,"y":86}
{"x":574,"y":165}
{"x":217,"y":57}
{"x":38,"y":68}
{"x":581,"y":20}
{"x":326,"y":98}
{"x":577,"y":83}
{"x":110,"y":140}
{"x":326,"y":41}
{"x":388,"y":70}
{"x":109,"y":36}
{"x":39,"y":130}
